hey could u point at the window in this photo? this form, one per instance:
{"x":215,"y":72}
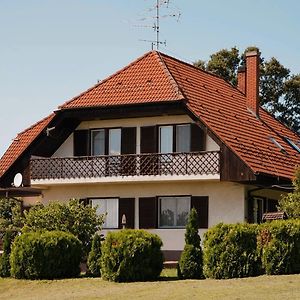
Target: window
{"x":109,"y":206}
{"x":263,"y":205}
{"x":174,"y":211}
{"x":183,"y":138}
{"x":293,"y":145}
{"x":98,"y":142}
{"x":114,"y":143}
{"x":180,"y":141}
{"x":165,"y":139}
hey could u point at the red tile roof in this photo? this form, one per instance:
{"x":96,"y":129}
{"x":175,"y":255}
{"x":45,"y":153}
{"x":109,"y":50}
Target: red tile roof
{"x":21,"y":142}
{"x":156,"y":77}
{"x":223,"y":109}
{"x":143,"y":81}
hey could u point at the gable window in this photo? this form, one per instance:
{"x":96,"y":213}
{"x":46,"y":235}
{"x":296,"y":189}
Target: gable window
{"x":180,"y":138}
{"x":166,"y":139}
{"x":110,"y":207}
{"x":98,"y":142}
{"x":183,"y":138}
{"x":114,"y":142}
{"x":174,"y":211}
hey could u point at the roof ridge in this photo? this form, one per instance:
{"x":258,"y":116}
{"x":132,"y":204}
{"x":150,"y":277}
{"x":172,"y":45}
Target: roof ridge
{"x":178,"y":90}
{"x":106,"y":79}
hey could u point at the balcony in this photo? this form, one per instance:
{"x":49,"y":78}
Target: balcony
{"x":125,"y":167}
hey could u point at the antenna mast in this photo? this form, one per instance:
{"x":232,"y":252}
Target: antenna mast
{"x":157,"y":24}
{"x":157,"y":17}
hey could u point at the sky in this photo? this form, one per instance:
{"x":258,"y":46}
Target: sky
{"x":52,"y":50}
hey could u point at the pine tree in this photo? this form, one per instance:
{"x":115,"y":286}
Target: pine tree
{"x":95,"y":256}
{"x":191,"y":262}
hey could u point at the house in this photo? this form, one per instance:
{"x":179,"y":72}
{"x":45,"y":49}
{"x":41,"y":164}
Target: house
{"x":155,"y":139}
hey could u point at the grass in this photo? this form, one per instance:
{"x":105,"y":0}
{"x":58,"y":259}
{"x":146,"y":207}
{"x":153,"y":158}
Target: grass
{"x":262,"y":287}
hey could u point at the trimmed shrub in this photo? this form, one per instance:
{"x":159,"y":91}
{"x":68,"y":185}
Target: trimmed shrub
{"x":230,"y":251}
{"x":190,"y":265}
{"x":45,"y":255}
{"x":279,"y":244}
{"x":94,"y":257}
{"x":131,"y":255}
{"x":72,"y":216}
{"x":4,"y":258}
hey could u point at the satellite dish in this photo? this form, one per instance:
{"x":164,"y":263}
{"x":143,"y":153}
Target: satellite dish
{"x":18,"y":180}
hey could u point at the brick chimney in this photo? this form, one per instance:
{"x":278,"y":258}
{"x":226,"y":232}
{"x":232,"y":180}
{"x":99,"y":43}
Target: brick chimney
{"x":241,"y":75}
{"x":252,"y":81}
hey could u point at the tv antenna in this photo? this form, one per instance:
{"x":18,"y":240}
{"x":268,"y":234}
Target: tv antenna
{"x":157,"y":17}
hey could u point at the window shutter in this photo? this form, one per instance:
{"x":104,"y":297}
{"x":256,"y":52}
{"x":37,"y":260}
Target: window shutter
{"x":128,"y":140}
{"x":149,"y":139}
{"x":126,"y":207}
{"x":250,"y":210}
{"x":148,"y":212}
{"x":85,"y":201}
{"x":197,"y":138}
{"x":81,"y":143}
{"x":200,"y":203}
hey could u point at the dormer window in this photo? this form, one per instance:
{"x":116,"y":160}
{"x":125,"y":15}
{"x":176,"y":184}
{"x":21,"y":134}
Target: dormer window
{"x":293,"y":144}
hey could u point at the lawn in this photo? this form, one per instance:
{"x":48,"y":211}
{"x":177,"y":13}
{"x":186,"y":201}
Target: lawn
{"x":263,"y":287}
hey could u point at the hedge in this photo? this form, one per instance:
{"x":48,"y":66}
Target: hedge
{"x":131,"y":255}
{"x":45,"y":255}
{"x":230,"y":251}
{"x":279,"y":245}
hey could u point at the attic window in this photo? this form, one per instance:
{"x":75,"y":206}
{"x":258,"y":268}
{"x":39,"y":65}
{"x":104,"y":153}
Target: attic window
{"x":277,"y":144}
{"x":293,"y":144}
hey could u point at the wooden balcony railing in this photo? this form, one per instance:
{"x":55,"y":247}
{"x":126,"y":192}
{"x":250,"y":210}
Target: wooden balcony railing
{"x":195,"y":163}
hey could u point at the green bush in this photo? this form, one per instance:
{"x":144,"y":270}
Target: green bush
{"x":73,"y":216}
{"x":10,"y":214}
{"x":279,"y":244}
{"x":94,"y":257}
{"x":190,"y":264}
{"x":4,"y":258}
{"x":230,"y":251}
{"x":45,"y":255}
{"x":131,"y":255}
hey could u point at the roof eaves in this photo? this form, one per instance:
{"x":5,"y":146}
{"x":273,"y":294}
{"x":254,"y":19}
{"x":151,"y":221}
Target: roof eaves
{"x":51,"y":116}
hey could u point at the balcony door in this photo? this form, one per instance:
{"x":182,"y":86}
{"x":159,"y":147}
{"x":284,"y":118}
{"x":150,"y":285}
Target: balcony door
{"x":114,"y":151}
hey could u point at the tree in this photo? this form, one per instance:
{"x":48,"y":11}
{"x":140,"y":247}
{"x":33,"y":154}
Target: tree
{"x":290,"y":203}
{"x":10,"y":214}
{"x":279,"y":90}
{"x":4,"y":258}
{"x":190,"y":265}
{"x":73,"y":217}
{"x":94,"y":258}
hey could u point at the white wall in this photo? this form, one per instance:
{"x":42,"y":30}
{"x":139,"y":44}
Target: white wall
{"x":211,"y":145}
{"x":66,"y":149}
{"x":226,"y":200}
